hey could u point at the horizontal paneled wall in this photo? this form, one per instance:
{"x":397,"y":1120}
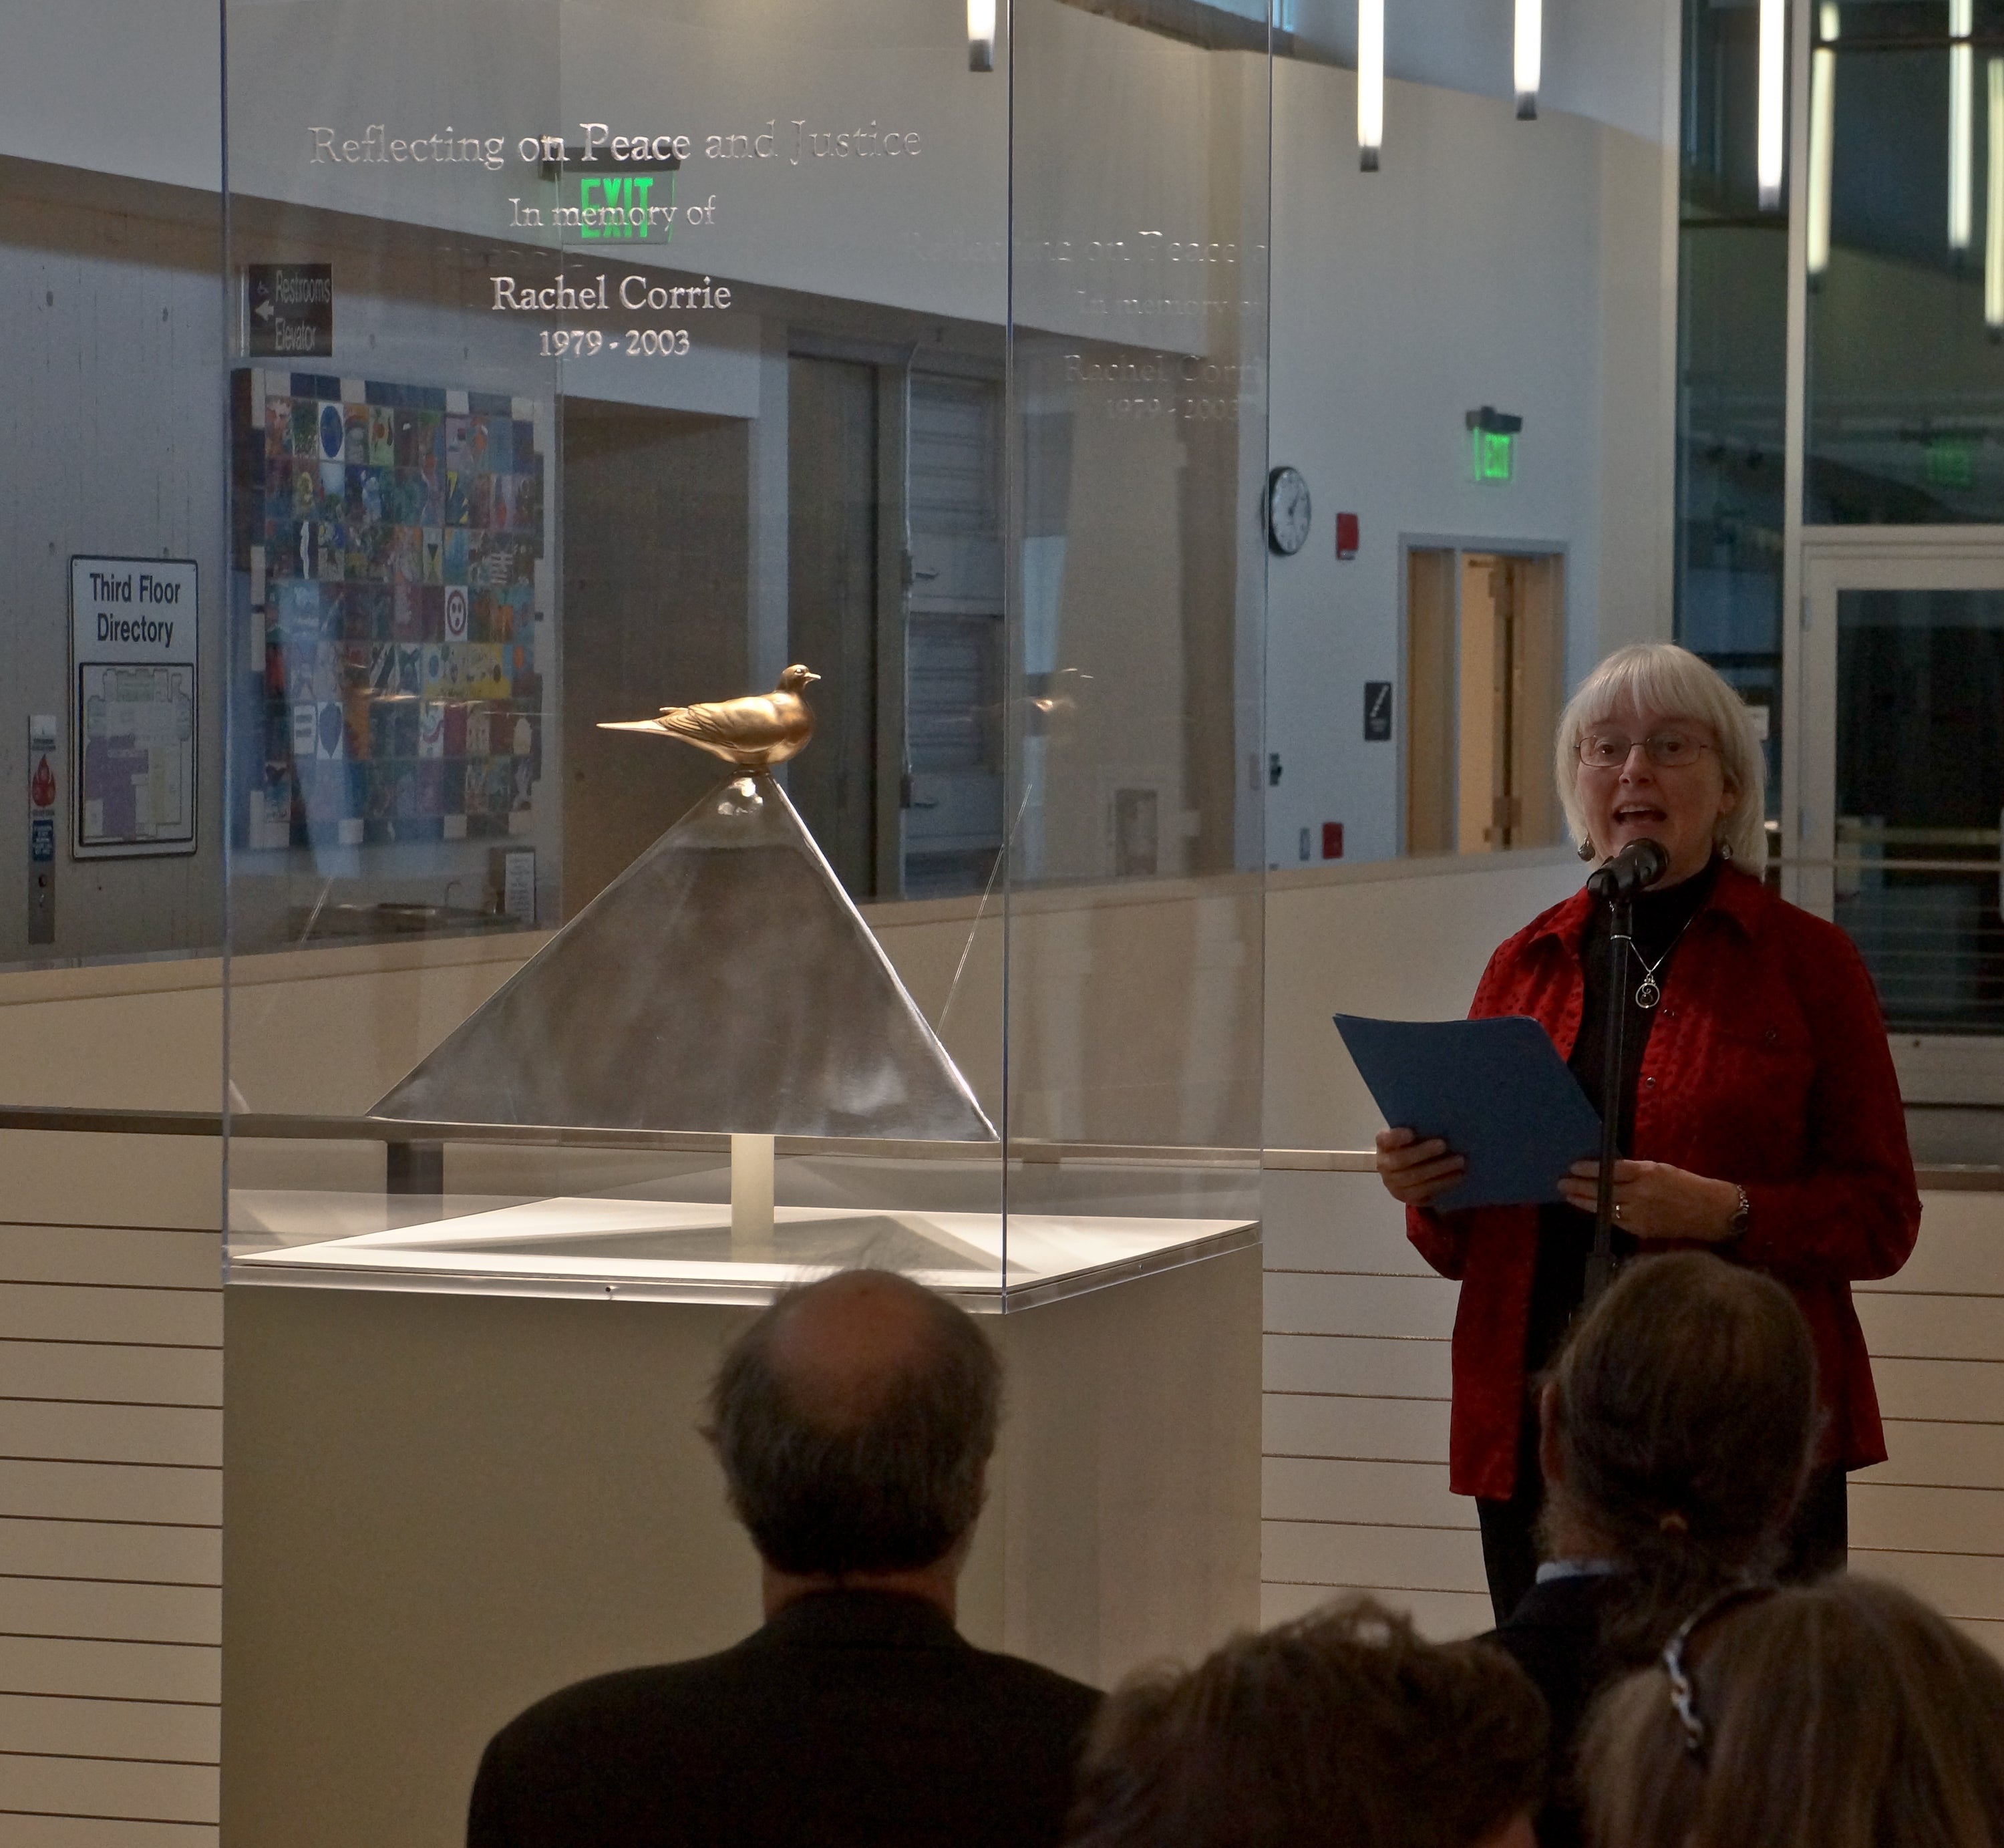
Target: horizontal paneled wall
{"x":109,"y":1375}
{"x":1356,"y":1331}
{"x":1357,"y":1384}
{"x":1932,"y":1515}
{"x":1357,"y":1328}
{"x":110,"y":1492}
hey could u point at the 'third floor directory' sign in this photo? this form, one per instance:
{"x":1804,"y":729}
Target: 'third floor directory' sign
{"x":133,"y":673}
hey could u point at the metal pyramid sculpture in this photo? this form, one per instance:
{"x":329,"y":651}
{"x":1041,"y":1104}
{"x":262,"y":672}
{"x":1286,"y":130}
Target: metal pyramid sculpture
{"x":724,"y":982}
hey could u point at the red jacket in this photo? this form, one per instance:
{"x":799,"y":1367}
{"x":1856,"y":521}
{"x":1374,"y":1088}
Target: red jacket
{"x":1767,"y":1064}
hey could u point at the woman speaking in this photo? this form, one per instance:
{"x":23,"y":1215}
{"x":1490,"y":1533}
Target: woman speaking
{"x":1758,"y":1099}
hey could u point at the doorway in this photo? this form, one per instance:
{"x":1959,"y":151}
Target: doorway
{"x":1484,"y":646}
{"x":953,"y":638}
{"x":845,"y":442}
{"x":656,"y":536}
{"x":895,"y":571}
{"x":1896,"y":784}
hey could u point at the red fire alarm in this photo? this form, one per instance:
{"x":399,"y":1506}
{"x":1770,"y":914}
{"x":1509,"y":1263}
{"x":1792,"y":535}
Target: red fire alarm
{"x":1346,"y":535}
{"x":1332,"y":840}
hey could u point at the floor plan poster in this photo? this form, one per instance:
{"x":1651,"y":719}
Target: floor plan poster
{"x":395,"y":536}
{"x":138,"y":745}
{"x":136,"y":675}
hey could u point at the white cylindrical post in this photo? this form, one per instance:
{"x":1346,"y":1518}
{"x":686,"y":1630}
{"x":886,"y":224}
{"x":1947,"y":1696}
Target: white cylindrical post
{"x":751,"y":1195}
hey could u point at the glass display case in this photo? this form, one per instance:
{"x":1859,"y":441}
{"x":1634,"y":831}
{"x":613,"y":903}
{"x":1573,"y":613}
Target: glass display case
{"x":597,"y":368}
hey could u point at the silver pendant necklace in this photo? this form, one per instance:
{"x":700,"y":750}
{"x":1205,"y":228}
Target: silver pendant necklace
{"x":1650,"y":990}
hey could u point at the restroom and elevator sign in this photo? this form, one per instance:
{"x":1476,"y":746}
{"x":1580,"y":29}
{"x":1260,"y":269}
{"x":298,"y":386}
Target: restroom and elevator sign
{"x":289,"y":310}
{"x":134,"y":672}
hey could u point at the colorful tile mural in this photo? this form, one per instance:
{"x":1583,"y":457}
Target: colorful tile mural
{"x":400,"y":527}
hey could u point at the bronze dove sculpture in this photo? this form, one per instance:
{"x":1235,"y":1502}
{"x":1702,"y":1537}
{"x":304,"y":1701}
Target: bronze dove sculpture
{"x":752,"y":733}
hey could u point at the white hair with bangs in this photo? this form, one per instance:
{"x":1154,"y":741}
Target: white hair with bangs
{"x":1661,"y":678}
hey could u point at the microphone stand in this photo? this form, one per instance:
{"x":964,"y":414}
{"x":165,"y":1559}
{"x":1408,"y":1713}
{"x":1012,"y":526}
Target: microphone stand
{"x":1600,"y":1263}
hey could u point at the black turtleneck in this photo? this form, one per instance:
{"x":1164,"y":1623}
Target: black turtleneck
{"x":1565,"y":1234}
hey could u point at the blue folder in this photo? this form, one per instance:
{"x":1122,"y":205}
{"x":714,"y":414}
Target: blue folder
{"x":1495,"y":1091}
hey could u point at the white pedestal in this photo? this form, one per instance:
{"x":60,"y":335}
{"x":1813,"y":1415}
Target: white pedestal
{"x":441,"y":1507}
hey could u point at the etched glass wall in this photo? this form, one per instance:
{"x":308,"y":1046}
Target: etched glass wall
{"x":590,"y":365}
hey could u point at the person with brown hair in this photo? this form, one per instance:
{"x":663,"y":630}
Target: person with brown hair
{"x":1842,"y":1715}
{"x":1676,"y":1430}
{"x":1344,"y":1727}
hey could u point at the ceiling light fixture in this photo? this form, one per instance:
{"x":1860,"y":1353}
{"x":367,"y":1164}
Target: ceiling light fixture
{"x":1993,"y":222}
{"x":1370,"y":82}
{"x":1770,"y":131}
{"x":1961,"y":122}
{"x":1528,"y":60}
{"x":1823,"y":123}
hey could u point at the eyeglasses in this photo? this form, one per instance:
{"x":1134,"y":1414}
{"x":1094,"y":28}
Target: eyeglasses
{"x":1683,"y":1691}
{"x":1666,"y":750}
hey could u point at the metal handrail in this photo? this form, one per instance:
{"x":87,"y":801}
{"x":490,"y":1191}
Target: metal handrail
{"x":421,"y":1137}
{"x":1872,"y":863}
{"x":281,"y":1126}
{"x":1850,"y":828}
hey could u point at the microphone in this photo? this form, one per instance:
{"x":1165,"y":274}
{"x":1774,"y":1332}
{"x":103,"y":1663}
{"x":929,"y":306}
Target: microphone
{"x":1638,"y":865}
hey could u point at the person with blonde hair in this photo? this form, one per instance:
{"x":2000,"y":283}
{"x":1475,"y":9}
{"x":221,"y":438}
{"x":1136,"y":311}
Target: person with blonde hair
{"x":1758,"y":1113}
{"x":1842,"y":1715}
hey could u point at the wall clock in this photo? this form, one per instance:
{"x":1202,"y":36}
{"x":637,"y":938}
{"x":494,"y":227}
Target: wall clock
{"x":1286,"y":511}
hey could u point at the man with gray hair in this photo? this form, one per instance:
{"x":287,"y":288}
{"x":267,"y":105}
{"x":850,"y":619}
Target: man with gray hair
{"x":854,"y":1420}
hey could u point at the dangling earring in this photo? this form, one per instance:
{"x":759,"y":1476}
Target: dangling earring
{"x":1586,"y":849}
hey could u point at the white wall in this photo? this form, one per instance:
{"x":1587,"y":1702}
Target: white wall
{"x":1604,"y":59}
{"x":112,"y":433}
{"x":1489,"y":262}
{"x":151,"y":70}
{"x":114,"y":88}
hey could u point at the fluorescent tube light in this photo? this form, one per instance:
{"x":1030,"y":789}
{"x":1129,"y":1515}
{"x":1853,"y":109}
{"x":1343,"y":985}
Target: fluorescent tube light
{"x":1370,"y":82}
{"x":1771,"y":134}
{"x":1529,"y":57}
{"x":981,"y":35}
{"x":1993,"y":218}
{"x":1823,"y":123}
{"x":1961,"y":124}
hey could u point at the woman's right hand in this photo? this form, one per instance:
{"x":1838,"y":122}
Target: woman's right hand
{"x":1414,"y":1171}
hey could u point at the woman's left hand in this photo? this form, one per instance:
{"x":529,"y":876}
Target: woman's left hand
{"x":1653,"y":1200}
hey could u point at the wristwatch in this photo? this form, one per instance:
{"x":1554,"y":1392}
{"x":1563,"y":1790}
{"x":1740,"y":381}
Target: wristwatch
{"x":1736,"y":1227}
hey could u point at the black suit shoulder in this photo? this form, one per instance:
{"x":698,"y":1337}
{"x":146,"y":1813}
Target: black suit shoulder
{"x":808,"y":1738}
{"x":1555,"y":1636}
{"x":635,"y":1703}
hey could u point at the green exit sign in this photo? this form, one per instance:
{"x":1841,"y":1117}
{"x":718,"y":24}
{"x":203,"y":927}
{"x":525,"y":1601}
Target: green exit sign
{"x":1495,"y":454}
{"x":1950,"y":462}
{"x":621,"y":205}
